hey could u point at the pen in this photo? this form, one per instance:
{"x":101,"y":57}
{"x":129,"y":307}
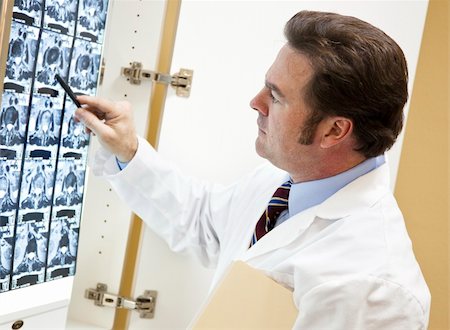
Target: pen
{"x":68,"y":90}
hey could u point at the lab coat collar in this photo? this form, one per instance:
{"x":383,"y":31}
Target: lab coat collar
{"x":359,"y":194}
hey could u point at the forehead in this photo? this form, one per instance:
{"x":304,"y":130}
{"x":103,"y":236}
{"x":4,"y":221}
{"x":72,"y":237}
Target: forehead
{"x":290,"y":71}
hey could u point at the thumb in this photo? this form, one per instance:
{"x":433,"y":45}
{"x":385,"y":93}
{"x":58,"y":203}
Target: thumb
{"x":91,"y":121}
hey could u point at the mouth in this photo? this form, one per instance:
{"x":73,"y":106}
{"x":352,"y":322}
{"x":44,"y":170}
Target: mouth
{"x":260,"y":130}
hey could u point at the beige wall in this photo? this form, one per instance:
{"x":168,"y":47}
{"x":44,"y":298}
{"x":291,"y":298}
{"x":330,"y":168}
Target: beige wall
{"x":422,"y":188}
{"x":5,"y":27}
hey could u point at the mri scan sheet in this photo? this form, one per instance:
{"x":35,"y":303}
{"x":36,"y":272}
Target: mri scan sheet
{"x":92,"y":19}
{"x":44,"y":124}
{"x":85,"y":66}
{"x":13,"y":123}
{"x":43,"y":150}
{"x":53,"y":58}
{"x":66,"y":216}
{"x":60,"y":16}
{"x":28,"y":11}
{"x":10,"y":171}
{"x":73,"y":135}
{"x":22,"y":52}
{"x":30,"y":253}
{"x":6,"y":253}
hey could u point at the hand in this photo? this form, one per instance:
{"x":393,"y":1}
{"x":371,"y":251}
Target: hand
{"x":113,"y":124}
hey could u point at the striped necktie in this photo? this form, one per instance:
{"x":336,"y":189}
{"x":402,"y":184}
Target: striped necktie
{"x":278,"y":203}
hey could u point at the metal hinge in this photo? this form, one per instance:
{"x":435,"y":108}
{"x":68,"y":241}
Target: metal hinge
{"x":144,"y":304}
{"x":181,"y":80}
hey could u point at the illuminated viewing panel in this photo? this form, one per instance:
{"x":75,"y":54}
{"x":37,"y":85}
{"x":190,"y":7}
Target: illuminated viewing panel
{"x":43,"y":151}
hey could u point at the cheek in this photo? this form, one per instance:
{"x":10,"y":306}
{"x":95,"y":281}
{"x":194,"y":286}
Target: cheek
{"x":278,"y":139}
{"x":289,"y":132}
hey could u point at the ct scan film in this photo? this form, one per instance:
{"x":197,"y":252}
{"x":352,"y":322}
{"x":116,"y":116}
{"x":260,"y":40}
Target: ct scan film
{"x":29,"y":11}
{"x":43,"y":150}
{"x":92,"y":19}
{"x":13,"y":123}
{"x":22,"y":52}
{"x":52,"y":59}
{"x":61,"y":16}
{"x":84,"y":67}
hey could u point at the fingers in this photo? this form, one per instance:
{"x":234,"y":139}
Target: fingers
{"x":103,"y":108}
{"x":99,"y":114}
{"x":112,"y":122}
{"x":91,"y":121}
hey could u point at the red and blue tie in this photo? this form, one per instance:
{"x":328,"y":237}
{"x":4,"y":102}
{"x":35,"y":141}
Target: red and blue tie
{"x":278,"y":203}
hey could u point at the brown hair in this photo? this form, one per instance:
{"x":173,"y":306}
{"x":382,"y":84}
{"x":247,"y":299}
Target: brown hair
{"x":359,"y":73}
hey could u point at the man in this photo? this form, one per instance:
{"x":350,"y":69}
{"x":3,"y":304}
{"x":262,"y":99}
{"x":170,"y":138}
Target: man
{"x":321,"y":221}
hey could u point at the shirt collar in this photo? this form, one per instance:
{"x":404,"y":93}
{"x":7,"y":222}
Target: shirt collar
{"x":304,"y":195}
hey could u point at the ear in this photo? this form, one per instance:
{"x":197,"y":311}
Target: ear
{"x":336,"y":130}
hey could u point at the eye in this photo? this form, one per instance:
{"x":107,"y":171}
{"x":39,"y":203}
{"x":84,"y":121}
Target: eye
{"x":273,"y":98}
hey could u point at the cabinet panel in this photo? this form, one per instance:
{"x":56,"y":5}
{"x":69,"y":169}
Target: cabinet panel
{"x":133,"y":34}
{"x":44,"y":317}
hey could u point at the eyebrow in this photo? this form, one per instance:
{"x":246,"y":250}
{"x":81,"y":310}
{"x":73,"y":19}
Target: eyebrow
{"x":274,"y":87}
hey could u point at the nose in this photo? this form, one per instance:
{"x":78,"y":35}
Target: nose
{"x":258,"y":103}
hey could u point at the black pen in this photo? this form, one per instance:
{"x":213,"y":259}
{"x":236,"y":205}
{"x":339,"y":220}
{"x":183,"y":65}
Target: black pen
{"x":68,"y":90}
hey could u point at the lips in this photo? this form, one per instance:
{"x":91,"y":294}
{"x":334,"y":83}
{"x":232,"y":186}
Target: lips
{"x":260,"y":129}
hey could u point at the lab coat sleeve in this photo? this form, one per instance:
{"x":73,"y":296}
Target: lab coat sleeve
{"x":188,"y":214}
{"x":360,"y":302}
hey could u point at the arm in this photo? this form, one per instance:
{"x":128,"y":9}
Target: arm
{"x":187,"y":213}
{"x":190,"y":215}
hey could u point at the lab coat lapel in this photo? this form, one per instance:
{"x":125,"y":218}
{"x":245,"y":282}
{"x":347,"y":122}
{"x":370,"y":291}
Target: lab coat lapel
{"x":361,"y":193}
{"x":283,"y":234}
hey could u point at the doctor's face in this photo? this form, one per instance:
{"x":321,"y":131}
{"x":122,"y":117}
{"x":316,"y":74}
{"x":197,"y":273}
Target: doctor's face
{"x":285,"y":136}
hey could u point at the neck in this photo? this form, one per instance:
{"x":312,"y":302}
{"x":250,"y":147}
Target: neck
{"x":326,"y":167}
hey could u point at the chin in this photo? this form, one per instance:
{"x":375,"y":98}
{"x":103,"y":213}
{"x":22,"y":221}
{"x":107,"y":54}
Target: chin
{"x":260,"y":149}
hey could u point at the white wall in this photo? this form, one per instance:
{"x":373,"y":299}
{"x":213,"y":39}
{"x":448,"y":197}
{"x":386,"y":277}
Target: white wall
{"x":230,"y":45}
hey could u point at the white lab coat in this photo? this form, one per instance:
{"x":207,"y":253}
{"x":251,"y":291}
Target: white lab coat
{"x":349,"y":260}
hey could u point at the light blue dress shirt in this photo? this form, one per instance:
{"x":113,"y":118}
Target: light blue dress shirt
{"x":304,"y":195}
{"x":121,"y":165}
